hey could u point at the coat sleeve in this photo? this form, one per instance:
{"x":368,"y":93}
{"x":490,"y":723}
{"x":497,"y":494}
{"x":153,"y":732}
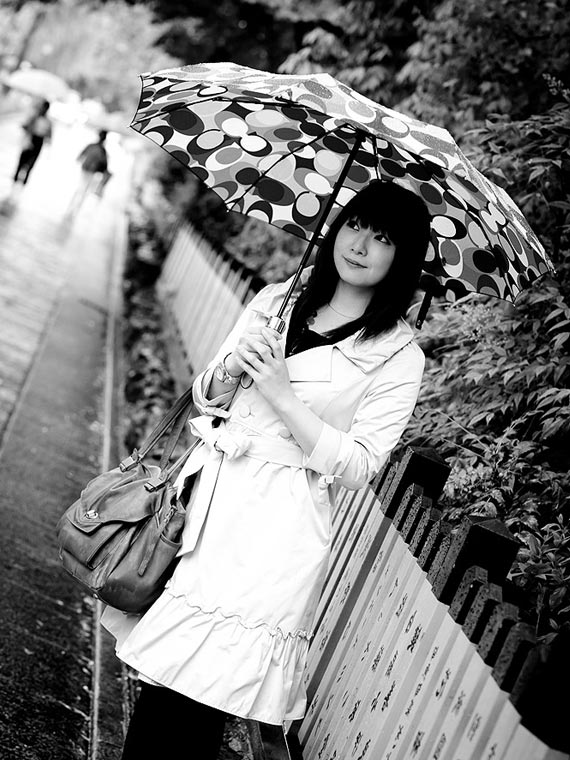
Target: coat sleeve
{"x":218,"y":406}
{"x":354,"y":457}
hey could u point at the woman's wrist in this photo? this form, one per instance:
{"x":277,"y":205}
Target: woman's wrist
{"x":231,"y":365}
{"x":223,"y":376}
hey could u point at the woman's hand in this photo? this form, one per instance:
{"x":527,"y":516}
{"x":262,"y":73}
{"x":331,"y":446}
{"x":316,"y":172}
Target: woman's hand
{"x":260,"y":355}
{"x":252,"y":334}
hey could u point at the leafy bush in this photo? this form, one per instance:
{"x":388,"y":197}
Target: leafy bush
{"x":496,"y":394}
{"x":474,"y":58}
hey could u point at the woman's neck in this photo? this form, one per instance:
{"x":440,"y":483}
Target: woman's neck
{"x":349,"y":300}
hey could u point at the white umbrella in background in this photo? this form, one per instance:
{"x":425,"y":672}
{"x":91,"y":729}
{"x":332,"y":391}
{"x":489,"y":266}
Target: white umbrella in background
{"x":37,"y":82}
{"x":115,"y":121}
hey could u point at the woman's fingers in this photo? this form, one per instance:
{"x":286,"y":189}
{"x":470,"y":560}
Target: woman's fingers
{"x":259,"y":352}
{"x":260,"y":347}
{"x":272,"y":338}
{"x":247,"y":367}
{"x":249,"y":357}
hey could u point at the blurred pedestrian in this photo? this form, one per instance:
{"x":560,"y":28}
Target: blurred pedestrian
{"x":285,"y":421}
{"x":37,"y":129}
{"x":94,"y":174}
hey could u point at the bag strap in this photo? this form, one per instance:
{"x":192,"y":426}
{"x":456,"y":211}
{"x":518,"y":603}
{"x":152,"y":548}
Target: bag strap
{"x":174,"y":436}
{"x":181,"y":404}
{"x":178,"y":414}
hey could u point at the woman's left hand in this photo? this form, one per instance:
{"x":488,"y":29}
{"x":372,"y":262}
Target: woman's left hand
{"x":263,"y":360}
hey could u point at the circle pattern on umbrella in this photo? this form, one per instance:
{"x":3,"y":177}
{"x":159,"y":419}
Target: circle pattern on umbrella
{"x":273,"y":147}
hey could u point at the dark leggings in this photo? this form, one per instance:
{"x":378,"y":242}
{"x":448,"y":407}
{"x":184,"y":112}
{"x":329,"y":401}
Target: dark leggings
{"x":28,"y":158}
{"x":166,"y":725}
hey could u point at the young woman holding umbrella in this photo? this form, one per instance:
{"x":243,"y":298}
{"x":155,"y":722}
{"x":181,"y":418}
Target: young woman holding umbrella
{"x":285,"y":420}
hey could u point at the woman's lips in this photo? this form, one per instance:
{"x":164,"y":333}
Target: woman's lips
{"x":354,"y":263}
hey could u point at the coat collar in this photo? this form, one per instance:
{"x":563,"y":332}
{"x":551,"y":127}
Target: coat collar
{"x":316,"y":363}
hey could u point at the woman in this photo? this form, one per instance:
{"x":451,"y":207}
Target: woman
{"x":321,"y":406}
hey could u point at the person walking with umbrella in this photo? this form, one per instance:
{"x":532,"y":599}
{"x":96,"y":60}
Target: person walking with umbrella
{"x":94,"y":173}
{"x":285,"y":420}
{"x":37,"y":129}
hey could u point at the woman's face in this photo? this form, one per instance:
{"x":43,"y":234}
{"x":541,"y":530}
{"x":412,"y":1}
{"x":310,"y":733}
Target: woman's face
{"x":362,"y":257}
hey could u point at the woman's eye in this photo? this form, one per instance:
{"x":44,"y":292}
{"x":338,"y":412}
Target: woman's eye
{"x":353,"y":224}
{"x":382,"y":238}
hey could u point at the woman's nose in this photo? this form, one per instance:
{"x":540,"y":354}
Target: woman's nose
{"x":360,"y":242}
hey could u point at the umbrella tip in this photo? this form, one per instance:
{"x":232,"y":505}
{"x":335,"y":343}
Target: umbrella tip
{"x":422,"y":313}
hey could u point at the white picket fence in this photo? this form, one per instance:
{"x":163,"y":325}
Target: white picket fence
{"x":391,"y":675}
{"x":401,"y":681}
{"x":204,"y":293}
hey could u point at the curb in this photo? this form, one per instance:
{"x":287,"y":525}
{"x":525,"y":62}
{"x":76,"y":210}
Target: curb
{"x":109,"y":713}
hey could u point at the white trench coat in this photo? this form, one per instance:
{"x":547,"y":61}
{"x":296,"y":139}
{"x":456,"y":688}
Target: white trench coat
{"x":233,"y":626}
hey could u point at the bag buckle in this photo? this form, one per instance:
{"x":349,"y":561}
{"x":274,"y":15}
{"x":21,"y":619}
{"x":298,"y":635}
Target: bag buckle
{"x":130,"y":462}
{"x":154,"y":484}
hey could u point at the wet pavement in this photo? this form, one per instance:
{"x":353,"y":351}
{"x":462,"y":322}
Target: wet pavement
{"x":60,"y":692}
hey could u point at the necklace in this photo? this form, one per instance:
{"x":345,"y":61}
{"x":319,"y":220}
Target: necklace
{"x":346,"y":316}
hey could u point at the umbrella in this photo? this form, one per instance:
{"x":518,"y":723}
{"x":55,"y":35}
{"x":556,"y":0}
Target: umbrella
{"x":37,"y":82}
{"x":110,"y":121}
{"x":291,"y":149}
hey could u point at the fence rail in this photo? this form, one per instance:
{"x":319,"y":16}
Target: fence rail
{"x":420,"y":651}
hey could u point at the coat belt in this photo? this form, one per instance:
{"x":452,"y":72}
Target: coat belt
{"x":232,"y":440}
{"x":235,"y":440}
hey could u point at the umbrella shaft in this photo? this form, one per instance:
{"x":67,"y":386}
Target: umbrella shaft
{"x":324,"y":216}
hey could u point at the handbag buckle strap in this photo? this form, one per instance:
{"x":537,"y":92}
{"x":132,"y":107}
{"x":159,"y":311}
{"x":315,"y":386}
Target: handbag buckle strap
{"x":155,"y":484}
{"x":129,"y":462}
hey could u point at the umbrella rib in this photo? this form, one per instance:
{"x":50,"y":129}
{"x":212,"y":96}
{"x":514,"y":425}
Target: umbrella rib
{"x":180,"y":107}
{"x":211,"y":98}
{"x":360,"y":137}
{"x":375,"y":147}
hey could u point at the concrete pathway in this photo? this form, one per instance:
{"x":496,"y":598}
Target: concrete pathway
{"x":58,"y":281}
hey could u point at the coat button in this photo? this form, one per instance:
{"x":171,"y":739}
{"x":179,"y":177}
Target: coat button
{"x":284,"y":432}
{"x":244,"y":410}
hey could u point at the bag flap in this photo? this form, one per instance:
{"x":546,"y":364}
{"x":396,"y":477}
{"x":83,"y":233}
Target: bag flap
{"x":117,"y":496}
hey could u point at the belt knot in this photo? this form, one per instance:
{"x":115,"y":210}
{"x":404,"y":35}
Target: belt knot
{"x":233,"y":444}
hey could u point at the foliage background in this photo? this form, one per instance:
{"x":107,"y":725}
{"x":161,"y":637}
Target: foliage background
{"x":495,"y":399}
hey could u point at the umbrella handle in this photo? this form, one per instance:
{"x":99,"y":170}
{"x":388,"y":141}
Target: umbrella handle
{"x":276,"y":323}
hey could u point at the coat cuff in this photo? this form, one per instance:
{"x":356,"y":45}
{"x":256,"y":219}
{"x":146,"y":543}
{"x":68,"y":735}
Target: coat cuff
{"x":333,"y":446}
{"x":212,"y":406}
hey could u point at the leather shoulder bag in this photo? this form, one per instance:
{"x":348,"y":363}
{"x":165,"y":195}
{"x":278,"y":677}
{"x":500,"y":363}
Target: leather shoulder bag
{"x":121,"y":537}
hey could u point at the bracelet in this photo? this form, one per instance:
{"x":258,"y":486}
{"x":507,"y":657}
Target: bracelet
{"x":221,"y":373}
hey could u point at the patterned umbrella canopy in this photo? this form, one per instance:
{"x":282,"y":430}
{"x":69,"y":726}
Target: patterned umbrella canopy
{"x":292,"y":149}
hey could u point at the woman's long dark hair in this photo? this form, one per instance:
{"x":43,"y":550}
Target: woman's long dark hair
{"x":403,"y":216}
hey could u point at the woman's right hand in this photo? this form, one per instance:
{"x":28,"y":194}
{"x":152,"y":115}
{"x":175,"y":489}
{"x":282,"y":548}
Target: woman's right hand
{"x":248,"y":339}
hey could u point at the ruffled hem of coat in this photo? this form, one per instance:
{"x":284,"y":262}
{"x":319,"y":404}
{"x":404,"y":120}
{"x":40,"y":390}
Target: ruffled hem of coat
{"x":272,"y":631}
{"x":251,"y":670}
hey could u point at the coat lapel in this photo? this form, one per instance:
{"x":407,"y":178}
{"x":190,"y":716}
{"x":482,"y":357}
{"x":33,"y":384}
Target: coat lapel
{"x":371,"y":354}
